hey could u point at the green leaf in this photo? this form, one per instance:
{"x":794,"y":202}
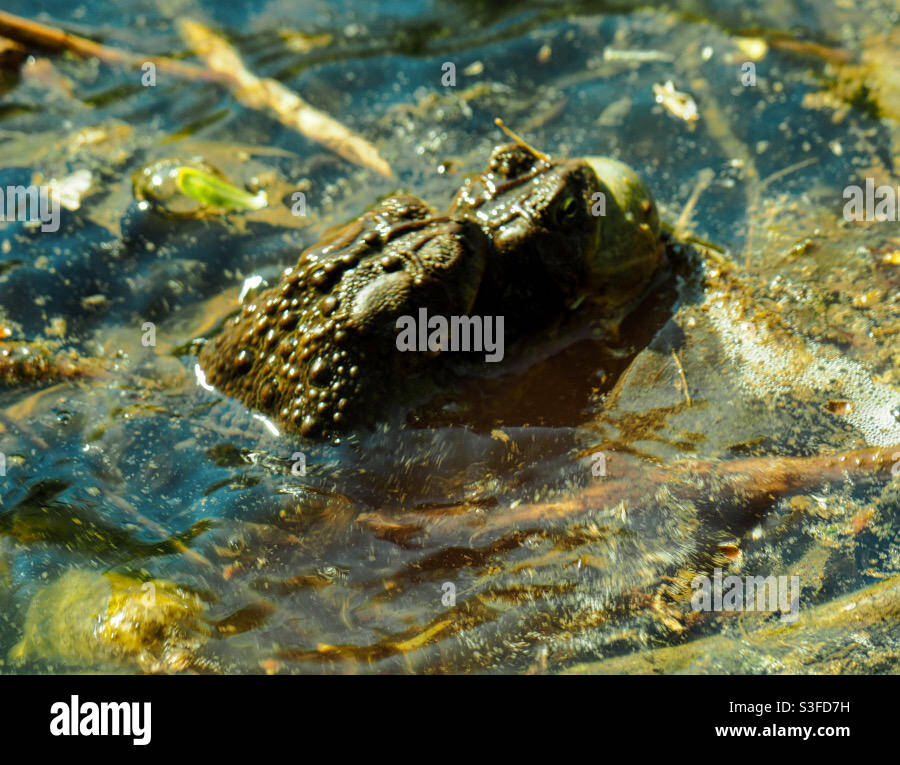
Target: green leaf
{"x":216,"y":192}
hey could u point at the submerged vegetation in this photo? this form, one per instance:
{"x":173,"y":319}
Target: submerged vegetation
{"x":215,"y":456}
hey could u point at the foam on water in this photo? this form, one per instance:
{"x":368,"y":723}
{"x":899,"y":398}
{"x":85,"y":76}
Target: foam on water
{"x":772,"y":358}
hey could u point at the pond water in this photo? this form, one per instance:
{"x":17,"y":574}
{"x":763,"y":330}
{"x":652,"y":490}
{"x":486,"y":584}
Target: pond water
{"x":414,"y":547}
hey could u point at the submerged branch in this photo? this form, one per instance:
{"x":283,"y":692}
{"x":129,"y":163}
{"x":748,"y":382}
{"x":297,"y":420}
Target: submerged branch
{"x":287,"y":106}
{"x":224,"y":67}
{"x":50,"y":38}
{"x":758,"y":481}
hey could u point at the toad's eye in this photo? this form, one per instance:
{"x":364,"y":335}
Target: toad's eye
{"x":566,"y":211}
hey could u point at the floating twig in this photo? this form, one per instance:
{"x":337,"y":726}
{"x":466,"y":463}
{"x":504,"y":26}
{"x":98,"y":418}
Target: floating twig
{"x":44,"y":36}
{"x":287,"y":106}
{"x":224,"y":67}
{"x":521,"y":141}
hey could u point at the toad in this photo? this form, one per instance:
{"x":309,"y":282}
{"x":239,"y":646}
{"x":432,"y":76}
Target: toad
{"x":522,"y":240}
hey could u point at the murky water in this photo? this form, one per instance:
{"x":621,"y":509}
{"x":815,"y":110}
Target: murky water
{"x":392,"y":552}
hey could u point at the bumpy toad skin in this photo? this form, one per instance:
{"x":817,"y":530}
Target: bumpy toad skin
{"x":318,"y":350}
{"x":559,"y":229}
{"x":523,"y":240}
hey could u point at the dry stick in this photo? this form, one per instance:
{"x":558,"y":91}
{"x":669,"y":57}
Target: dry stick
{"x":225,"y":68}
{"x":44,"y":36}
{"x":287,"y":106}
{"x":12,"y":53}
{"x":519,"y":140}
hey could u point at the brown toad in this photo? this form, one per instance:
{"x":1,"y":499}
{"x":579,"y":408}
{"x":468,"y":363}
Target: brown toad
{"x":521,"y":241}
{"x":560,"y":230}
{"x":317,"y":351}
